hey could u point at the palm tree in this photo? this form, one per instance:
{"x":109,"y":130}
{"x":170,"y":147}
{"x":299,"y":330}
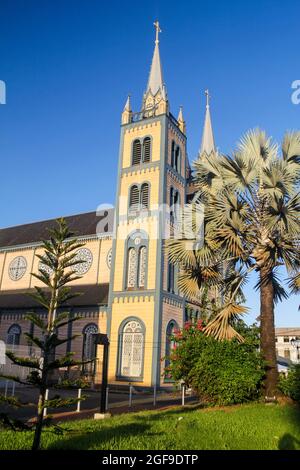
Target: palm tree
{"x":251,"y":224}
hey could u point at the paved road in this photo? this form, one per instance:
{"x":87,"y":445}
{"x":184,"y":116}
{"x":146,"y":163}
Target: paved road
{"x":118,"y":402}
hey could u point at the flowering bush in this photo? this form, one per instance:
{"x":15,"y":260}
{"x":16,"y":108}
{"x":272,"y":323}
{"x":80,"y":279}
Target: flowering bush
{"x":221,"y":372}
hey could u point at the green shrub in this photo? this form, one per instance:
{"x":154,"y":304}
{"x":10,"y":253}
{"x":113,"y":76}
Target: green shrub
{"x":221,"y":372}
{"x":290,"y":384}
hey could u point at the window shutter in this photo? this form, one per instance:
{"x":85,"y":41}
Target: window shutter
{"x":136,"y":152}
{"x":147,"y":149}
{"x":134,"y":199}
{"x":145,"y":196}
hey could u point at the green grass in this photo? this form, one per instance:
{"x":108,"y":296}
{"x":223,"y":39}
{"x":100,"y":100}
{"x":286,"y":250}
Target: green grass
{"x":254,"y":426}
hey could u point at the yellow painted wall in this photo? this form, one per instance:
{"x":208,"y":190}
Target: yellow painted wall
{"x":142,"y":130}
{"x":97,"y":274}
{"x":144,"y":310}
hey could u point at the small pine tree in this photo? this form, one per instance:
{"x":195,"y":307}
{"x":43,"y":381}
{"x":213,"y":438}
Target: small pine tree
{"x":56,"y":271}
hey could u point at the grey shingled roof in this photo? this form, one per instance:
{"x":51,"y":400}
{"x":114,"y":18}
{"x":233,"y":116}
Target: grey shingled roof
{"x":91,"y":294}
{"x":88,"y":223}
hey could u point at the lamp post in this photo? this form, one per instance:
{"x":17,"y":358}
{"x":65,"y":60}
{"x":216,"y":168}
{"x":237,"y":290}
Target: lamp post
{"x":295,"y":342}
{"x":102,"y":339}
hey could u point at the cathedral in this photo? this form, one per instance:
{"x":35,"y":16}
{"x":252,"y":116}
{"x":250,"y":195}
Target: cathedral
{"x":129,"y":286}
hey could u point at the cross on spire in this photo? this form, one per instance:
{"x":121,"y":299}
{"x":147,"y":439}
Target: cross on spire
{"x":207,"y":98}
{"x":158,"y":30}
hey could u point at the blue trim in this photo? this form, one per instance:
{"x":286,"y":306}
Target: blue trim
{"x":157,"y":324}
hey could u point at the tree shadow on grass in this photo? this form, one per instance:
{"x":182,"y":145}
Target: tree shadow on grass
{"x":85,"y":440}
{"x":287,"y":440}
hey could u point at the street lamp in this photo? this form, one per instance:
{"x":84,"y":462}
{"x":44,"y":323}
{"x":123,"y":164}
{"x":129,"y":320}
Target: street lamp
{"x":295,"y":342}
{"x":103,"y":340}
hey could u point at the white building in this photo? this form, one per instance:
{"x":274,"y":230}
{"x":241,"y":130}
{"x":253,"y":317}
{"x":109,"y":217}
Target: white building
{"x":286,"y":346}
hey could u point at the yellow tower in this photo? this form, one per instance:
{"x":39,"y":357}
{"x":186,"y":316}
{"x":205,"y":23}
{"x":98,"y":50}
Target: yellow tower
{"x":144,"y":305}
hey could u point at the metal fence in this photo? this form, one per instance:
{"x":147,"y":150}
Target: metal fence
{"x":9,"y":368}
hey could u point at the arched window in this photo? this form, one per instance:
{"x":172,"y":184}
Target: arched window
{"x":174,"y":204}
{"x":88,"y":346}
{"x":142,"y":266}
{"x":147,"y":150}
{"x":139,"y":198}
{"x":131,"y":349}
{"x":13,"y":335}
{"x":171,"y":277}
{"x":177,"y":160}
{"x":144,"y":196}
{"x":136,"y":152}
{"x":137,"y":255}
{"x":170,"y":343}
{"x":172,"y":154}
{"x":134,"y":198}
{"x":132,"y":268}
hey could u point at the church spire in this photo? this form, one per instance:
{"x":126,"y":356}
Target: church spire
{"x":208,"y":142}
{"x":181,"y":121}
{"x":127,"y":112}
{"x":155,"y":82}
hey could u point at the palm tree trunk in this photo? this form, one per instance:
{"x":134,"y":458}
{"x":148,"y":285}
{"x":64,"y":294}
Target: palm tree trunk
{"x":267,"y":333}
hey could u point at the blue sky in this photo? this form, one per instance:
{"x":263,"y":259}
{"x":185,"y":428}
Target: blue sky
{"x":69,"y":65}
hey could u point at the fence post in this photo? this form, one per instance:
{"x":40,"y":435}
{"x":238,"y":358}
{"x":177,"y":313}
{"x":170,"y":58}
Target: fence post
{"x":6,"y":387}
{"x":106,"y":400}
{"x":78,"y":402}
{"x":130,"y":395}
{"x":46,"y":398}
{"x":183,"y":394}
{"x":154,"y":395}
{"x":13,"y":389}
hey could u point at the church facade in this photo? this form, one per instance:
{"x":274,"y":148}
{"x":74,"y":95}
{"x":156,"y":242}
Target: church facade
{"x":129,"y":287}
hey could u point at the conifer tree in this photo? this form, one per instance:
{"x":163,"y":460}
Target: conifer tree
{"x":56,"y":272}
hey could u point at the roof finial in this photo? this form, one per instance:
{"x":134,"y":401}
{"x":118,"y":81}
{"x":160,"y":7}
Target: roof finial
{"x":158,"y":30}
{"x":207,"y":98}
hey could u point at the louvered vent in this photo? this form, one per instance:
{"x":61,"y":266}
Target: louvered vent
{"x":147,"y":149}
{"x":136,"y":152}
{"x":134,"y":199}
{"x":145,"y":196}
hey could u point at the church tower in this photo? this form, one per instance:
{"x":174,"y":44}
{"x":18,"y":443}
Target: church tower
{"x":144,"y":303}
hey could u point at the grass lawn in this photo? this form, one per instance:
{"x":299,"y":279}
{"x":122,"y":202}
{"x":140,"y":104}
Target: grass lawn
{"x":254,"y":426}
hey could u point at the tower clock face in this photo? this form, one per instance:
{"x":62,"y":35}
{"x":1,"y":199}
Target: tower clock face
{"x":17,"y":268}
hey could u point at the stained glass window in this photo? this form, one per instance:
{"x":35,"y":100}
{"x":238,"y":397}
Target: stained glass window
{"x":13,"y":335}
{"x":17,"y":268}
{"x":85,"y":256}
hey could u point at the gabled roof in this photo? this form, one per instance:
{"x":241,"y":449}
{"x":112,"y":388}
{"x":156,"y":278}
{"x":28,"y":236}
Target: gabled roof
{"x":88,"y":223}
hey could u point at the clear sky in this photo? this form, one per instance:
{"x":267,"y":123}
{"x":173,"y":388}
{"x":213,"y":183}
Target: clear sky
{"x":69,"y":65}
